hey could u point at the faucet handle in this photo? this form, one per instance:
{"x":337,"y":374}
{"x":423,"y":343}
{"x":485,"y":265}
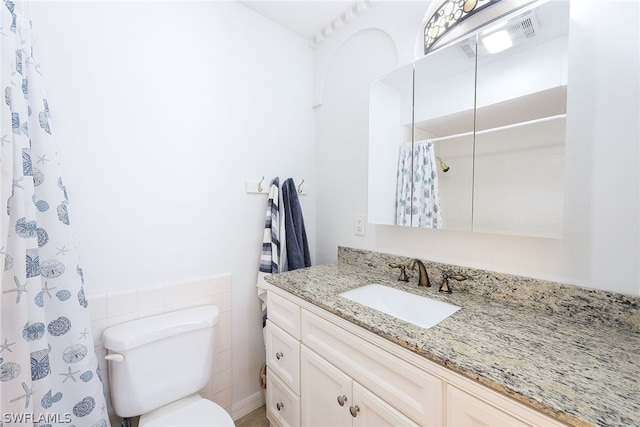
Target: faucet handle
{"x":444,"y":287}
{"x":403,"y":271}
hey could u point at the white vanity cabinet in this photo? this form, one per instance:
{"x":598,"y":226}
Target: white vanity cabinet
{"x":345,"y":375}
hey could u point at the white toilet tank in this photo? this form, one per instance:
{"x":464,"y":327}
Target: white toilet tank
{"x":158,"y":360}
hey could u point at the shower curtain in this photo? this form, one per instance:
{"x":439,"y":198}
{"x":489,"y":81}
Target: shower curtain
{"x":49,"y":372}
{"x":417,"y":193}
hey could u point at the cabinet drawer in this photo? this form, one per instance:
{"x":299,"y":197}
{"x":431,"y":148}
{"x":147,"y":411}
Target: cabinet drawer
{"x":284,"y":313}
{"x":406,"y":387}
{"x":283,"y":407}
{"x":283,"y":356}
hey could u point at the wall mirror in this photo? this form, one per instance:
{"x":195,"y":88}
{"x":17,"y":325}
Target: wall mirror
{"x":444,"y":117}
{"x":390,"y":131}
{"x":472,"y":136}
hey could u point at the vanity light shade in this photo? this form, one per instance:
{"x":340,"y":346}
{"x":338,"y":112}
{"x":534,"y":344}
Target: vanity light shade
{"x":450,"y":14}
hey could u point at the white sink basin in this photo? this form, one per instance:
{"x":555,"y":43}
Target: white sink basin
{"x":421,"y":311}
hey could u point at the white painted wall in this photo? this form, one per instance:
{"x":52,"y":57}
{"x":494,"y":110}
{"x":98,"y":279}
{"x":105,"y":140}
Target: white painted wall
{"x":601,"y":243}
{"x":162,"y":111}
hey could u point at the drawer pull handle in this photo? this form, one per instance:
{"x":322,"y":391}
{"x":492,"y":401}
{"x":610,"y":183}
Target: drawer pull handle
{"x":279,"y":405}
{"x":341,"y":400}
{"x":279,"y":355}
{"x":354,"y":410}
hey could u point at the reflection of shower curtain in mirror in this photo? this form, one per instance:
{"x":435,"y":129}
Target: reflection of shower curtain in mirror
{"x":417,"y":195}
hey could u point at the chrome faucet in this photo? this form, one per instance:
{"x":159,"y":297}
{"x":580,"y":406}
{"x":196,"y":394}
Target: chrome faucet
{"x":423,"y":279}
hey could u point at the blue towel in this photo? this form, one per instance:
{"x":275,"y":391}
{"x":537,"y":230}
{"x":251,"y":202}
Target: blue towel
{"x":296,"y":237}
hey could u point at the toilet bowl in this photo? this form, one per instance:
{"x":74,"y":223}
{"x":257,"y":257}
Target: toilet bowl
{"x":188,"y":412}
{"x":158,"y":364}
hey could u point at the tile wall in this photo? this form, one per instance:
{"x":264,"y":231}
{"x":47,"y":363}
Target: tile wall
{"x":112,"y":308}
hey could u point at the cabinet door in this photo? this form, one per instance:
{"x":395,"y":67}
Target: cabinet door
{"x":371,"y":411}
{"x":323,"y":388}
{"x":465,"y":410}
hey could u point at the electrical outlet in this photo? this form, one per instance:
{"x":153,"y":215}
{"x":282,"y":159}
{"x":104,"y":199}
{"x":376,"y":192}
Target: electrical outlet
{"x":360,"y":225}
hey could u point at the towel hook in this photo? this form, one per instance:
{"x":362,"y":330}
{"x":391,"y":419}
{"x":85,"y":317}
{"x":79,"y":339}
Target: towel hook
{"x":260,"y":185}
{"x":300,"y":186}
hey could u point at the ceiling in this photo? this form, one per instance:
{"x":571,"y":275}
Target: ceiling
{"x":303,"y":17}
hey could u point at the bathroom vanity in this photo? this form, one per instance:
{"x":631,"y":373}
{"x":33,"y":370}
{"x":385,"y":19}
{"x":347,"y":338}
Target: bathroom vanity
{"x":508,"y":357}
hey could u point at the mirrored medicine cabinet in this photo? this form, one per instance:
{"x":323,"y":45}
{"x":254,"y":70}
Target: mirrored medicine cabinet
{"x":471,"y":137}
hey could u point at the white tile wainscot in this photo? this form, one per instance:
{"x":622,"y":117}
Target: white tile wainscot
{"x":112,"y":308}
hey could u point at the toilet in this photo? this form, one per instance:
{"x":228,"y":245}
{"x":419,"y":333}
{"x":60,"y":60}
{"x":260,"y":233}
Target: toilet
{"x":158,"y":364}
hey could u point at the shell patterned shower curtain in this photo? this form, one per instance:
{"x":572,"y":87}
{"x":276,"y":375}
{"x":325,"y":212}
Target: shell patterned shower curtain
{"x":417,"y":192}
{"x":49,"y":372}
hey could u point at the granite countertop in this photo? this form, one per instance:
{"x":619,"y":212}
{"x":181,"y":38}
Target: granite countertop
{"x":575,"y":369}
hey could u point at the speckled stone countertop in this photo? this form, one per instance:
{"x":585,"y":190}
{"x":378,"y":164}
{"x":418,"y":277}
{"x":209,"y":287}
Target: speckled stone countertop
{"x":569,"y":352}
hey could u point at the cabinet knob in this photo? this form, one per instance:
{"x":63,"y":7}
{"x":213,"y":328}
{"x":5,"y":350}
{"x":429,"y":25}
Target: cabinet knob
{"x":279,"y":355}
{"x":279,"y":405}
{"x":341,"y":400}
{"x":354,"y":410}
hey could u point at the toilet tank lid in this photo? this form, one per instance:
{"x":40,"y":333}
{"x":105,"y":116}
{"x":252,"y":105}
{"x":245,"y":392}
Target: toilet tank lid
{"x":132,"y":334}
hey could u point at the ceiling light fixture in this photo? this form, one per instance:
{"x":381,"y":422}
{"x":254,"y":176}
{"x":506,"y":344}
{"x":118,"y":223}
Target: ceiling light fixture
{"x":497,"y":42}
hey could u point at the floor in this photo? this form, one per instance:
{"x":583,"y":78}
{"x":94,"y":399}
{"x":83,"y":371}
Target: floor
{"x":257,"y":418}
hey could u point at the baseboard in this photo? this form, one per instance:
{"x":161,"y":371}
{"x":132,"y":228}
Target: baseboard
{"x":248,"y":405}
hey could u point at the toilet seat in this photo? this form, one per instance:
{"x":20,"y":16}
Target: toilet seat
{"x":191,"y":411}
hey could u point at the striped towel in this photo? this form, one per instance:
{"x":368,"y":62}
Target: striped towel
{"x":270,"y":255}
{"x":270,"y":259}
